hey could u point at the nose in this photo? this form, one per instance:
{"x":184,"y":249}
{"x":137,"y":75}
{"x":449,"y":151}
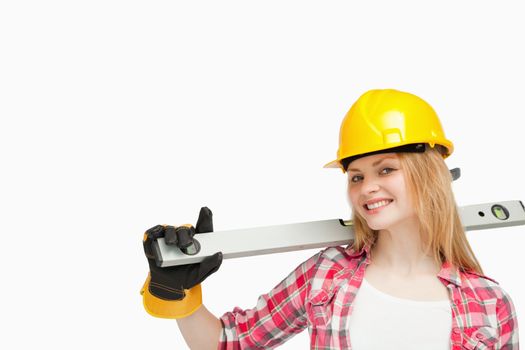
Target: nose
{"x":369,"y":185}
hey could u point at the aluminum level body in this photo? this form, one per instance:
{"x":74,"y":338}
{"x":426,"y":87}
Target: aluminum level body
{"x":318,"y":234}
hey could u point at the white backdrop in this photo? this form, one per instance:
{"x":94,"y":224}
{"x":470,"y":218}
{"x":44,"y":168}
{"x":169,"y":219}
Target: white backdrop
{"x":119,"y":115}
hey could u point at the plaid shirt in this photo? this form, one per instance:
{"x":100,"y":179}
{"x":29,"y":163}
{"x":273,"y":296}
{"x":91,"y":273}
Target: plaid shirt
{"x":319,"y":293}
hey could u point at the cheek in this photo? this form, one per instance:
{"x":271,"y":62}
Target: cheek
{"x":353,"y":196}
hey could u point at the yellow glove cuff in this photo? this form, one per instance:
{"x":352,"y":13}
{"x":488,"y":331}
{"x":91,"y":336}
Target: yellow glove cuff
{"x":171,"y":308}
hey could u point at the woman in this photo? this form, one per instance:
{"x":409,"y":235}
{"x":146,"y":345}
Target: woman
{"x":409,"y":280}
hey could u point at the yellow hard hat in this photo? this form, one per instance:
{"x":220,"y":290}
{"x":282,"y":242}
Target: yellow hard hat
{"x":388,"y":120}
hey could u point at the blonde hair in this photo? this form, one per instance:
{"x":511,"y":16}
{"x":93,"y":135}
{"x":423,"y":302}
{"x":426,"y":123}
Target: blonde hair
{"x":429,"y":184}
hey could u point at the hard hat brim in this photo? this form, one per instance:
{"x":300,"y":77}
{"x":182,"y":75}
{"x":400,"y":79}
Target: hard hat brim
{"x":333,"y":164}
{"x":412,"y":147}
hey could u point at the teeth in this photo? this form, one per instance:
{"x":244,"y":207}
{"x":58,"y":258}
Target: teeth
{"x":377,"y":205}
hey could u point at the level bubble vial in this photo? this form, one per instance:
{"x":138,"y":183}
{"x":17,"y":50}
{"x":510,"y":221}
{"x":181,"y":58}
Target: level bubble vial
{"x":500,"y":212}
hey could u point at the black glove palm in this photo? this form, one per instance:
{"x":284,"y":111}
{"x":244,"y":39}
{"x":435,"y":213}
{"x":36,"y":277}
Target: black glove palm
{"x":169,"y":283}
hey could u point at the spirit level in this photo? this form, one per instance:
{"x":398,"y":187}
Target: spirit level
{"x":315,"y":234}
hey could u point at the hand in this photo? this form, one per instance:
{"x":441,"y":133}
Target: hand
{"x":176,"y":283}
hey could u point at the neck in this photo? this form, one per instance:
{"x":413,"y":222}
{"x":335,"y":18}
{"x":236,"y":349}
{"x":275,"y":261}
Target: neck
{"x":400,"y":251}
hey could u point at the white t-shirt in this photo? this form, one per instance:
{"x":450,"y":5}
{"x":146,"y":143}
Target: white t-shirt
{"x":381,"y":321}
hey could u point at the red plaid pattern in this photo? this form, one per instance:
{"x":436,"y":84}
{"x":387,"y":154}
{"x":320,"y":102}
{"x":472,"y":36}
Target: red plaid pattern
{"x":318,"y":295}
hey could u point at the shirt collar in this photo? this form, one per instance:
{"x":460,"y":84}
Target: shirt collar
{"x":448,"y":272}
{"x":365,"y":251}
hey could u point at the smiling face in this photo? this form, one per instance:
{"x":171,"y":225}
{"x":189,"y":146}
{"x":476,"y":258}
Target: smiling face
{"x":377,"y":191}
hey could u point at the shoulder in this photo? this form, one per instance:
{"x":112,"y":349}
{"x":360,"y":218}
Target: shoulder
{"x":334,"y":262}
{"x":340,"y":258}
{"x":323,"y":264}
{"x":480,"y":286}
{"x":486,"y":291}
{"x":333,"y":266}
{"x":488,"y":310}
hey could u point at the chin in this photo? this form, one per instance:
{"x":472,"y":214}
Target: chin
{"x":379,"y":225}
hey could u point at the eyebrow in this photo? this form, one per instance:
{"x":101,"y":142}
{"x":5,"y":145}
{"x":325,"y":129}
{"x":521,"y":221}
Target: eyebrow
{"x":373,"y":164}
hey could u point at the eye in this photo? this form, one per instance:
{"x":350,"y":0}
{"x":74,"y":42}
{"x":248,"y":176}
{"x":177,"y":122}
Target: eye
{"x":384,"y":171}
{"x":355,"y":178}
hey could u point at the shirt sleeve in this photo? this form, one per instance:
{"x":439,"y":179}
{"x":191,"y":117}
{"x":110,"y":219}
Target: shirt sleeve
{"x":507,"y":324}
{"x":278,"y":315}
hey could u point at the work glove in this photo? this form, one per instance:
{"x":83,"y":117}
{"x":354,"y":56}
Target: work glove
{"x":174,"y":291}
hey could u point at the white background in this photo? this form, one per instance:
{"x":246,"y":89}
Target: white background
{"x":119,"y":115}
